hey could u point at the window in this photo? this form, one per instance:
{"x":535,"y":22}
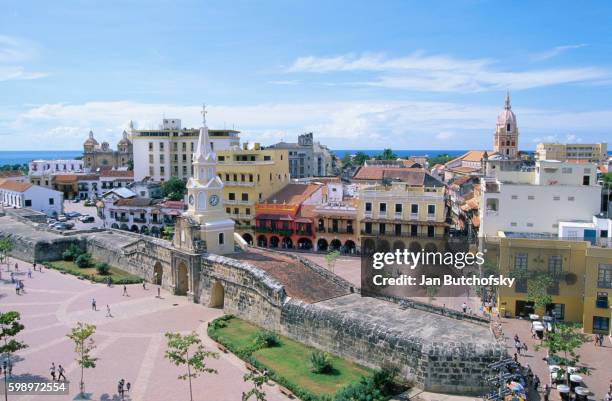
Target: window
{"x":555,"y":265}
{"x":586,"y":180}
{"x":236,"y":210}
{"x":245,"y":197}
{"x":604,"y":276}
{"x":382,"y":207}
{"x":556,"y":198}
{"x":566,"y":170}
{"x":231,"y":196}
{"x":228,"y":210}
{"x":513,"y":224}
{"x":398,"y":230}
{"x":414,"y":230}
{"x":368,"y":227}
{"x":520,"y":261}
{"x":514,"y":197}
{"x":414,"y":208}
{"x":529,"y":224}
{"x":221,"y":239}
{"x":150,"y":146}
{"x":570,"y":198}
{"x":431,"y":209}
{"x":531,"y":197}
{"x":601,"y":323}
{"x":381,"y":228}
{"x":247,"y":211}
{"x":368,"y":207}
{"x":398,"y":208}
{"x":51,"y":201}
{"x":28,"y":203}
{"x":602,"y":300}
{"x":151,"y":159}
{"x":431,"y":231}
{"x":161,"y":146}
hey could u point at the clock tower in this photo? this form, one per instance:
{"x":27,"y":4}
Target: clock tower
{"x":204,"y":196}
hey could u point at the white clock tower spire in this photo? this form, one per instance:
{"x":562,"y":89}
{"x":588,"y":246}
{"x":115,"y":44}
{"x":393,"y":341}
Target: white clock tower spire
{"x":204,"y":194}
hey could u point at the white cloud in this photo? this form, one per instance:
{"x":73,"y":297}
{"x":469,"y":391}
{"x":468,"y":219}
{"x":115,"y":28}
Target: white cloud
{"x":440,"y":73}
{"x":341,"y":125}
{"x":555,"y":51}
{"x":14,"y":52}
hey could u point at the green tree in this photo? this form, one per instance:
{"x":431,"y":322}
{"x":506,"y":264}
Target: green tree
{"x":440,"y":159}
{"x":360,"y":158}
{"x":565,"y":340}
{"x":387,"y":154}
{"x":258,"y":381}
{"x":168,"y":232}
{"x":346,"y":161}
{"x":10,"y":327}
{"x":331,"y":259}
{"x":174,"y":189}
{"x":84,"y":345}
{"x":537,"y":291}
{"x":188,"y":351}
{"x":6,"y":246}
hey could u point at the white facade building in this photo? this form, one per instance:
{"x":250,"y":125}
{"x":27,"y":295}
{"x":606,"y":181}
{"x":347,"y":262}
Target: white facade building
{"x":167,"y":151}
{"x":25,"y":195}
{"x":48,"y":167}
{"x":538,"y":199}
{"x":598,"y":230}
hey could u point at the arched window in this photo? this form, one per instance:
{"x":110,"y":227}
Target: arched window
{"x":221,"y":239}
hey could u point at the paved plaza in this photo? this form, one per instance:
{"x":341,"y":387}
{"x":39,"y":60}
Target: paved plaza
{"x":130,"y":344}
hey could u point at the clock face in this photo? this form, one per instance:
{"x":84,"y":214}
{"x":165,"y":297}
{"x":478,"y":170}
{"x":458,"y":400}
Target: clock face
{"x":191,"y":200}
{"x":213,"y":200}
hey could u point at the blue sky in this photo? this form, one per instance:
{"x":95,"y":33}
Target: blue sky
{"x":360,"y":75}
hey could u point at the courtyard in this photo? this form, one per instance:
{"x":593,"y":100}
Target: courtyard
{"x":129,"y":345}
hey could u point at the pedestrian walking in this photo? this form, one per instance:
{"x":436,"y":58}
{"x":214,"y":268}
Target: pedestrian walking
{"x":108,"y":311}
{"x":29,"y":273}
{"x":61,"y":372}
{"x":516,"y":338}
{"x":158,"y":292}
{"x":128,"y":386}
{"x":464,"y":307}
{"x":144,"y":285}
{"x":17,"y":288}
{"x":16,"y":267}
{"x":601,"y":340}
{"x":34,"y":265}
{"x":524,"y":347}
{"x":125,"y":293}
{"x":536,"y":383}
{"x":546,"y":392}
{"x":12,"y":277}
{"x":518,"y":346}
{"x":52,"y":371}
{"x":93,"y":304}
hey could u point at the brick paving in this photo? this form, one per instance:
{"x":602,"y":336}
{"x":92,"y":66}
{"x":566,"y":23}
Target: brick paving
{"x":130,"y":345}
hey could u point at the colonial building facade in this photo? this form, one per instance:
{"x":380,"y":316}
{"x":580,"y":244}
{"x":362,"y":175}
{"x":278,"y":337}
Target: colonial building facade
{"x":97,"y":155}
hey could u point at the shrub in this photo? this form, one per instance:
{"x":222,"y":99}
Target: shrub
{"x":83,"y":260}
{"x":320,"y":362}
{"x":384,"y":379}
{"x":72,"y":252}
{"x":267,"y":339}
{"x":102,"y":268}
{"x":364,"y":390}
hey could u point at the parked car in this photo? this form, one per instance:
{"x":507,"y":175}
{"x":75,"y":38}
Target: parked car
{"x":59,"y":226}
{"x":76,"y":200}
{"x":62,"y":218}
{"x":87,"y":219}
{"x":89,"y":202}
{"x":72,"y":215}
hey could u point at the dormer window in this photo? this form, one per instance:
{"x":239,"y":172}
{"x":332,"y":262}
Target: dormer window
{"x":508,"y":128}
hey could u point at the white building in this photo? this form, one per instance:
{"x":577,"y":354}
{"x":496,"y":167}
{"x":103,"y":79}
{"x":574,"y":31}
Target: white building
{"x":39,"y":168}
{"x":167,"y":151}
{"x":597,"y":230}
{"x":536,"y":200}
{"x":25,"y":195}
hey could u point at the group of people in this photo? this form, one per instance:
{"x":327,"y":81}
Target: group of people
{"x":123,"y":387}
{"x":599,"y":340}
{"x":59,"y":372}
{"x":519,"y":346}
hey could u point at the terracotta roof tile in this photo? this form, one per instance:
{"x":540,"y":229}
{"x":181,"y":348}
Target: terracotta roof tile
{"x":294,"y":194}
{"x":11,"y":174}
{"x":117,"y":173}
{"x":15,"y":186}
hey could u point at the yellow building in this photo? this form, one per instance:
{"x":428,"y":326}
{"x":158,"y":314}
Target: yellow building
{"x":581,"y":272}
{"x":598,"y":290}
{"x":577,"y":152}
{"x":250,"y":176}
{"x":408,"y":209}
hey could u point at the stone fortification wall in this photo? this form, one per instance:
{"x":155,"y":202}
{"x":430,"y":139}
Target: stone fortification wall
{"x":248,"y":292}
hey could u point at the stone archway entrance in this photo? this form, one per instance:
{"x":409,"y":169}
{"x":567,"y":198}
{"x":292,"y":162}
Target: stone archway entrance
{"x":182,"y":279}
{"x":248,"y":238}
{"x":217,"y":295}
{"x":158,"y":274}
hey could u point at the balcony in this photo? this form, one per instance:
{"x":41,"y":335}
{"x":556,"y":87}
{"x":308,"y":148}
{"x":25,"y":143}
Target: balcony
{"x":239,"y":183}
{"x":123,"y":219}
{"x":237,"y":202}
{"x":139,"y":220}
{"x":340,"y":231}
{"x":398,"y":215}
{"x":431,"y":217}
{"x":414,"y":216}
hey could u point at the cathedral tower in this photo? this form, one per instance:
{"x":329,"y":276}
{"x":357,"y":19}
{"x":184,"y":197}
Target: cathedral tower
{"x":505,"y":140}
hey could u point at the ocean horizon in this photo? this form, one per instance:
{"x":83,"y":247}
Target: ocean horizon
{"x":25,"y":156}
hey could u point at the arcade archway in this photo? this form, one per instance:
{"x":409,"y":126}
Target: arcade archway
{"x":217,"y":295}
{"x":182,"y":279}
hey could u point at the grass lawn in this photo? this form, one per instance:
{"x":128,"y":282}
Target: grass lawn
{"x":117,"y":275}
{"x":292,"y":360}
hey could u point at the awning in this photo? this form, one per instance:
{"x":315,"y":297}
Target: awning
{"x":303,"y":220}
{"x":284,"y":217}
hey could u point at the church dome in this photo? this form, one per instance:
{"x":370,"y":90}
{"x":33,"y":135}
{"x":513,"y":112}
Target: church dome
{"x":124,"y":140}
{"x":91,"y":141}
{"x":507,"y":118}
